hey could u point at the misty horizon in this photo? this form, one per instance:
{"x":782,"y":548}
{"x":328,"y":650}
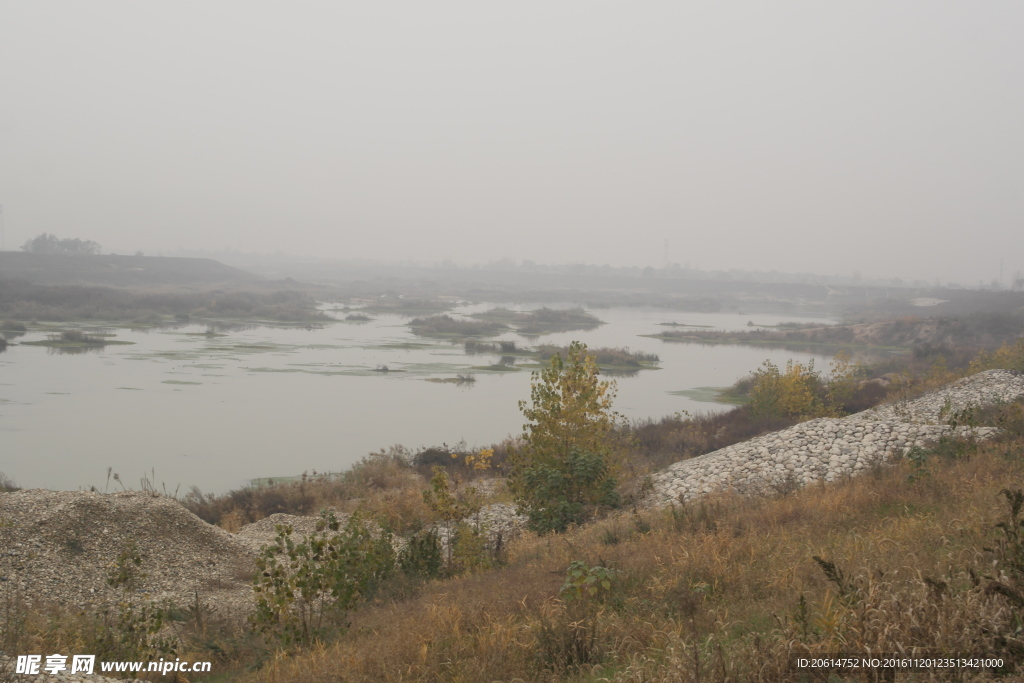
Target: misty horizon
{"x":832,"y":140}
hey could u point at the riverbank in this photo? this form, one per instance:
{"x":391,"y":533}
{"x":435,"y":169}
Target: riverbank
{"x":721,"y":553}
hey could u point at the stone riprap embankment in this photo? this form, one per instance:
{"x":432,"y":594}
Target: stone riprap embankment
{"x":981,"y":389}
{"x":827,"y":449}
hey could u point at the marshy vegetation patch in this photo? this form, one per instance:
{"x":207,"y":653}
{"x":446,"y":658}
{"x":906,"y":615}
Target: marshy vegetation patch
{"x":447,"y":327}
{"x":543,"y":320}
{"x":76,"y":339}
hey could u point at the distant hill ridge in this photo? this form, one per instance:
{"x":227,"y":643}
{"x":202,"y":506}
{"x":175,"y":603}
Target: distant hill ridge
{"x":116,"y":270}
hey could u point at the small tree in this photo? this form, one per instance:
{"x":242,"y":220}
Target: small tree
{"x":465,"y":542}
{"x":562,"y":472}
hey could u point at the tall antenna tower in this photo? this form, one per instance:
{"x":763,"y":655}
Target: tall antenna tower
{"x":3,"y":242}
{"x":666,"y":254}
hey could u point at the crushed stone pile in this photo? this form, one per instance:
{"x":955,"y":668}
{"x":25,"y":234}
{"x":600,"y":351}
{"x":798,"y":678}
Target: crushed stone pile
{"x":62,"y":546}
{"x":264,"y":532}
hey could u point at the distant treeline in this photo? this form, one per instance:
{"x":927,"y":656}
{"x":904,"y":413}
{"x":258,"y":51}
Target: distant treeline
{"x":46,"y":243}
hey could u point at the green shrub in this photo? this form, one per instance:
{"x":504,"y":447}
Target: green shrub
{"x":422,"y":556}
{"x":563,"y":493}
{"x":586,"y":584}
{"x":305,"y":589}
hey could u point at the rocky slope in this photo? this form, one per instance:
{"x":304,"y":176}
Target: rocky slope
{"x":829,"y":449}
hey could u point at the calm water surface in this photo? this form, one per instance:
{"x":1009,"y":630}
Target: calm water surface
{"x":219,"y":411}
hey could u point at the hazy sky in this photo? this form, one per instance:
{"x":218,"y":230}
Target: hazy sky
{"x":883,"y":137}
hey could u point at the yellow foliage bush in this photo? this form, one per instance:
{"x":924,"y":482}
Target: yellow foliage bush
{"x":801,"y":391}
{"x":1008,"y":357}
{"x":793,"y":393}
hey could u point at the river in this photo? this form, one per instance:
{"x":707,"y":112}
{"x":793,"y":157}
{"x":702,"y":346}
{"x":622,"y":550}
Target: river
{"x":185,"y":408}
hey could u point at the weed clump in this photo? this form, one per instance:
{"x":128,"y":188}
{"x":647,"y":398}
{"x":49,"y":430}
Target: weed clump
{"x":7,"y":485}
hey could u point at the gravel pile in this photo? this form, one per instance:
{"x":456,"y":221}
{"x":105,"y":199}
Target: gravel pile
{"x":828,"y":449}
{"x":264,"y":532}
{"x":496,"y":518}
{"x":61,"y":546}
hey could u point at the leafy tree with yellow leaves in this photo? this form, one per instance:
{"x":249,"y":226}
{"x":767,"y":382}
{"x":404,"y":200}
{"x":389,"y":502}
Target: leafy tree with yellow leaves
{"x":790,"y":393}
{"x":561,"y":473}
{"x":800,"y":391}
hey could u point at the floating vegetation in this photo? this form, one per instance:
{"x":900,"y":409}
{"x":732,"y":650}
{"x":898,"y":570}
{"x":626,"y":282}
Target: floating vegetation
{"x":75,"y":339}
{"x":445,"y":326}
{"x":786,"y":326}
{"x":210,"y":332}
{"x":384,"y":368}
{"x":543,"y":320}
{"x":178,"y":381}
{"x":399,"y":305}
{"x":358,"y":318}
{"x":496,"y":368}
{"x":402,"y":345}
{"x":684,"y":325}
{"x":458,"y":379}
{"x":503,"y":347}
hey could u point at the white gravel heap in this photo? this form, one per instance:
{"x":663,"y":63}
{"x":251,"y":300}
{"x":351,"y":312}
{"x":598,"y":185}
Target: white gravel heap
{"x":828,"y":448}
{"x":264,"y":532}
{"x":496,"y":519}
{"x":61,"y":546}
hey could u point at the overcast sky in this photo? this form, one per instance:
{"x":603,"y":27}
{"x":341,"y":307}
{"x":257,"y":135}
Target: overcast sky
{"x":831,"y":137}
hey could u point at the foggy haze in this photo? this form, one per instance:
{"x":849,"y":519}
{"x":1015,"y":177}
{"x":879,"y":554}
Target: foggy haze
{"x":876,"y":137}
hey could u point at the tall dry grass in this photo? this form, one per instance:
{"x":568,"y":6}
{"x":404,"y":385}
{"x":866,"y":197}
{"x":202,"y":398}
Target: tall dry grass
{"x":385,"y":485}
{"x":727,"y":589}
